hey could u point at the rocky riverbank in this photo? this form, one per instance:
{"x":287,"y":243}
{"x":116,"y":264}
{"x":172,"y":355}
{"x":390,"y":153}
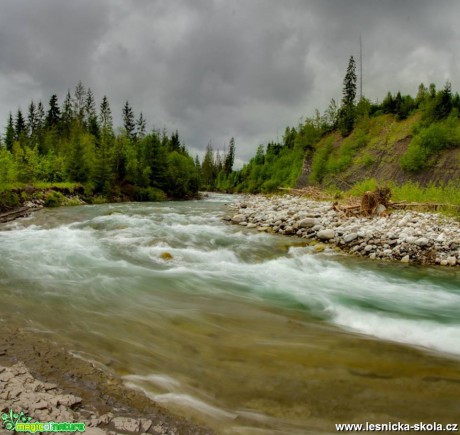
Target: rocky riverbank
{"x":405,"y":236}
{"x":48,"y":384}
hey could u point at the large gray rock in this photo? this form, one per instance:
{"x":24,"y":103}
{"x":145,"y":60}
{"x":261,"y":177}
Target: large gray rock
{"x":126,"y":424}
{"x":238,"y":218}
{"x":307,"y":223}
{"x":350,"y":237}
{"x":326,"y":234}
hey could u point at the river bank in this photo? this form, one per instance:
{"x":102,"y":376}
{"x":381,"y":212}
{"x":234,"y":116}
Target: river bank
{"x":47,"y":383}
{"x":404,"y":236}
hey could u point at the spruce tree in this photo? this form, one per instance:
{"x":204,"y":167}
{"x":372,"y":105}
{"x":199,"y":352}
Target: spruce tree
{"x":140,"y":126}
{"x":79,"y":102}
{"x":10,"y":133}
{"x":31,"y":119}
{"x":175,"y":142}
{"x":347,"y":111}
{"x":105,"y":116}
{"x":67,"y":115}
{"x":230,"y":157}
{"x":128,"y":121}
{"x":90,"y":119}
{"x":20,"y":126}
{"x":54,"y":114}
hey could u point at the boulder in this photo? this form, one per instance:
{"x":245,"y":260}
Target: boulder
{"x":326,"y":234}
{"x":238,"y":218}
{"x":307,"y":223}
{"x":350,"y":237}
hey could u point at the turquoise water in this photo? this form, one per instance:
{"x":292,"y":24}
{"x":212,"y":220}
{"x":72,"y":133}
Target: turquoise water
{"x":209,"y":318}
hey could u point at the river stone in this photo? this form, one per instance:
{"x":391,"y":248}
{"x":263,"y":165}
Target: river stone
{"x":451,"y":261}
{"x":307,"y":223}
{"x":126,"y":424}
{"x":350,"y":237}
{"x":422,"y":241}
{"x":238,"y":218}
{"x":326,"y":234}
{"x":405,"y":259}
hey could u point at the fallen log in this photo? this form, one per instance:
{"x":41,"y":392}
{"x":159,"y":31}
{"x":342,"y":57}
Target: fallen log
{"x":14,"y":214}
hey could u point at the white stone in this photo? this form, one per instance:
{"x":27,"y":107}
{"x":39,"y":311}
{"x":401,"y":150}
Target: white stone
{"x":350,"y":237}
{"x":326,"y":234}
{"x":405,"y":259}
{"x":238,"y":218}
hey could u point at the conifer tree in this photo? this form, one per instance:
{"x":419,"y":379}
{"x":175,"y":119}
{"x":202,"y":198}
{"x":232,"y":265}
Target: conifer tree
{"x":128,"y":121}
{"x":230,"y":157}
{"x":140,"y":126}
{"x":90,"y":119}
{"x":105,"y":116}
{"x":20,"y":126}
{"x":10,"y":133}
{"x":54,"y":114}
{"x":347,"y":111}
{"x":67,"y":115}
{"x":175,"y":142}
{"x":79,"y":102}
{"x":31,"y":124}
{"x":208,"y":170}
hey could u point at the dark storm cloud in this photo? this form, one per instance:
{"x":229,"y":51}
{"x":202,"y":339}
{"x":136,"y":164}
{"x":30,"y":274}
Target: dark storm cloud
{"x":215,"y":69}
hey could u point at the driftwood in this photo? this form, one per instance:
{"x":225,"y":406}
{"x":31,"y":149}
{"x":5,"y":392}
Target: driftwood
{"x":371,"y":203}
{"x":11,"y":215}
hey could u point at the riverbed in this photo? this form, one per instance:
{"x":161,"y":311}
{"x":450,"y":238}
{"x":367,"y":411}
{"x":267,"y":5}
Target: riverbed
{"x":244,"y":331}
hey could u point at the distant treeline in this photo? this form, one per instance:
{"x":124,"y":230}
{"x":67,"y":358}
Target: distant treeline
{"x":280,"y":163}
{"x":76,"y":142}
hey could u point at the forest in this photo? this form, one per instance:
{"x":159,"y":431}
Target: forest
{"x":75,"y":144}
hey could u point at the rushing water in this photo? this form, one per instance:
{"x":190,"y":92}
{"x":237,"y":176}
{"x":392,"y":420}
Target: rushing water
{"x":239,"y":329}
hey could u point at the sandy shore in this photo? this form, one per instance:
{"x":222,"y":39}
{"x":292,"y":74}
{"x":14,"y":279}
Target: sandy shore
{"x":41,"y":379}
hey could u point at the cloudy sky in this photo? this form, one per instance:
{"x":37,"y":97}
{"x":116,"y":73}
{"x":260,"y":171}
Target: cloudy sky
{"x":214,"y":69}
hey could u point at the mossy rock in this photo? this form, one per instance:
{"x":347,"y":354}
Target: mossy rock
{"x":320,"y":247}
{"x":166,"y":256}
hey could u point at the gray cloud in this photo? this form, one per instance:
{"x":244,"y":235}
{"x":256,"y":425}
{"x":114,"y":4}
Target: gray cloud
{"x":215,"y":69}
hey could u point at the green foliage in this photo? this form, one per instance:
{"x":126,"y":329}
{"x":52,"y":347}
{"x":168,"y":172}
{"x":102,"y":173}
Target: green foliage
{"x":429,"y":141}
{"x":320,"y":159}
{"x":151,"y":194}
{"x":183,"y":179}
{"x":8,"y":200}
{"x":54,"y":199}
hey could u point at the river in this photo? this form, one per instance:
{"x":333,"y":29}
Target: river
{"x":245,"y":331}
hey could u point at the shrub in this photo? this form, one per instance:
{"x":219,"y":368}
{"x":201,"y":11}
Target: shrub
{"x":54,"y":199}
{"x":149,"y":194}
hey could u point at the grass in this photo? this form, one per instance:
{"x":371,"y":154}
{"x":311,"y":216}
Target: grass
{"x":39,"y":185}
{"x":449,"y":195}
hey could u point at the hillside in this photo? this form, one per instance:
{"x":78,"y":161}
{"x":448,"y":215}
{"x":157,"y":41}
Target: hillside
{"x":377,"y":148}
